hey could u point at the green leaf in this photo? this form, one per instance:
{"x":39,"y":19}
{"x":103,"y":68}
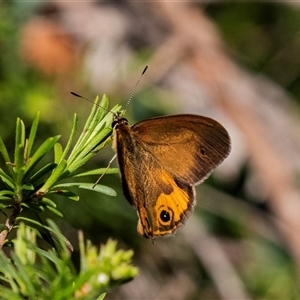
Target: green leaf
{"x":89,"y":186}
{"x":24,"y":282}
{"x":36,"y":207}
{"x":96,"y":141}
{"x":65,"y":193}
{"x":87,"y":128}
{"x":42,"y":172}
{"x":40,"y":152}
{"x":32,"y":135}
{"x":21,"y":248}
{"x":6,"y":192}
{"x":99,"y":171}
{"x":11,"y":295}
{"x":11,"y":274}
{"x":7,"y":179}
{"x":94,"y":136}
{"x":71,"y":138}
{"x":98,"y":123}
{"x":87,"y":153}
{"x":19,"y":144}
{"x":102,"y":296}
{"x":28,"y":187}
{"x":55,"y":211}
{"x":34,"y":222}
{"x":48,"y":202}
{"x":58,"y":152}
{"x":5,"y":155}
{"x":97,"y":114}
{"x":3,"y":206}
{"x":4,"y":198}
{"x":23,"y":204}
{"x":57,"y":172}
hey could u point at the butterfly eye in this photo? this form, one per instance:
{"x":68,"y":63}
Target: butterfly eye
{"x":114,"y":124}
{"x":117,"y":121}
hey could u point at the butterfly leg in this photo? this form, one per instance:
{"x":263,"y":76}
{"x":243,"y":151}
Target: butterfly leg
{"x":108,"y":166}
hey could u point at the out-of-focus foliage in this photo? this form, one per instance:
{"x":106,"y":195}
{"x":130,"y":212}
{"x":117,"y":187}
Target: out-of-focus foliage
{"x":265,"y":38}
{"x":33,"y":273}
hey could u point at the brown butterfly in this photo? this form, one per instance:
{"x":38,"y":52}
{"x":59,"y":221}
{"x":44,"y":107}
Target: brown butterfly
{"x":161,"y":160}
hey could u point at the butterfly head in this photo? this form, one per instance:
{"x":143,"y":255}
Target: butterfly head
{"x":118,"y":120}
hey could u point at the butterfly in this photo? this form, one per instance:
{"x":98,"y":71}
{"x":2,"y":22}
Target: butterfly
{"x":161,"y":160}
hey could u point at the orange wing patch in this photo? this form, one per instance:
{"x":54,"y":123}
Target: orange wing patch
{"x":169,"y":211}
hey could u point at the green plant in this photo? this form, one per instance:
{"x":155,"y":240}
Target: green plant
{"x":55,"y":277}
{"x":29,"y":187}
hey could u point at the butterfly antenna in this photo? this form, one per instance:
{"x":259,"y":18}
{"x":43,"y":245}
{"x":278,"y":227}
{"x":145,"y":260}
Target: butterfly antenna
{"x":87,"y":99}
{"x":134,"y":88}
{"x":79,"y":96}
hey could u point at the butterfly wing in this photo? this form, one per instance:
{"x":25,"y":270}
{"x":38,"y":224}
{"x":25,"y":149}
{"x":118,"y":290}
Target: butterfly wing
{"x":189,"y":147}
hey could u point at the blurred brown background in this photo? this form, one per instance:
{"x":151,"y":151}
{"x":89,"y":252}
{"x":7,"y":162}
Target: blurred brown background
{"x":236,"y":62}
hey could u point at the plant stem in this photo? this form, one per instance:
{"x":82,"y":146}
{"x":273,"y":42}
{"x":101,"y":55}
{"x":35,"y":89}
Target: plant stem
{"x":9,"y":224}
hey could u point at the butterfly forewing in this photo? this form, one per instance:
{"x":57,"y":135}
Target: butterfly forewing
{"x":189,"y":146}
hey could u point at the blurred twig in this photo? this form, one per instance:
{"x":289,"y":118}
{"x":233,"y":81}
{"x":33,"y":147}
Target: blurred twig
{"x":210,"y":253}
